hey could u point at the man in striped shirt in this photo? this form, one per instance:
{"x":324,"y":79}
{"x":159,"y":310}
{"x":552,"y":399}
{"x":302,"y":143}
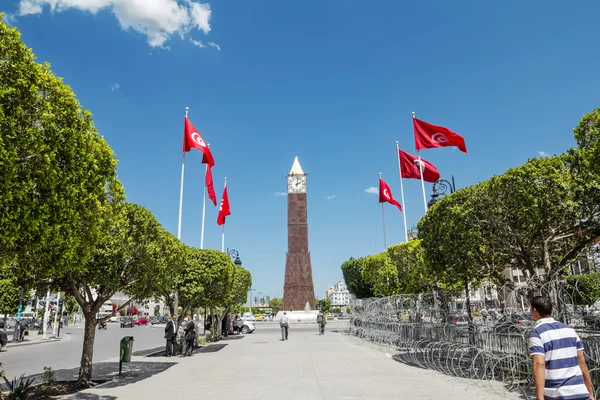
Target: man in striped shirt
{"x":559,"y":368}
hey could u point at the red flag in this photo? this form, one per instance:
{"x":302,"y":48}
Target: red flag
{"x":428,"y":136}
{"x":192,"y":139}
{"x":410,"y":168}
{"x":210,"y":186}
{"x":385,"y":194}
{"x":224,"y":209}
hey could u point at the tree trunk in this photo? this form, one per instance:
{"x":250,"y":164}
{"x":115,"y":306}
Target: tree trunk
{"x":87,"y":354}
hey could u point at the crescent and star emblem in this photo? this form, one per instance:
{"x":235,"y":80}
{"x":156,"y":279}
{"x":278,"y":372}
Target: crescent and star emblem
{"x":386,"y":194}
{"x":439,"y":138}
{"x":196,"y":138}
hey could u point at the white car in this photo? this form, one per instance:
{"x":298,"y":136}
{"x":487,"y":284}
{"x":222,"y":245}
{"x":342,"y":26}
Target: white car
{"x":243,"y":326}
{"x":114,"y":318}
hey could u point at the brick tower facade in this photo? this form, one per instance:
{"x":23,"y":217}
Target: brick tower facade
{"x":298,"y":287}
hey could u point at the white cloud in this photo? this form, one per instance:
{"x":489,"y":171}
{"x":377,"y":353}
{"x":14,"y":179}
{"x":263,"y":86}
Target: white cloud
{"x":198,"y":43}
{"x":8,"y":19}
{"x":330,"y":197}
{"x":115,"y":87}
{"x":280,"y":194}
{"x":157,"y":19}
{"x":543,"y":153}
{"x":216,"y":46}
{"x":372,"y":190}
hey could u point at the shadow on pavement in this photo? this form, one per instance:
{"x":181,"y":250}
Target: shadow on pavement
{"x":92,"y":396}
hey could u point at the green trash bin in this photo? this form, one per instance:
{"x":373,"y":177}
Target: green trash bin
{"x":126,"y":350}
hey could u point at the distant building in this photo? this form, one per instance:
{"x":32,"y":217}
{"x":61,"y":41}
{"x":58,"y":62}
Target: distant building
{"x":329,"y":291}
{"x":339,"y":296}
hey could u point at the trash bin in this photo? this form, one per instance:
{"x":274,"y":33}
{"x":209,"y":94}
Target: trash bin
{"x":126,"y":349}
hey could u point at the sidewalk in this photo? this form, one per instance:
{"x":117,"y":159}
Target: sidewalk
{"x":36,"y":339}
{"x":306,"y":367}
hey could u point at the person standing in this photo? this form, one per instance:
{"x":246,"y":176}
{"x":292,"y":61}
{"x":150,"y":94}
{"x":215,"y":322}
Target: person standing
{"x":284,"y":324}
{"x":171,"y":336}
{"x":190,"y":335}
{"x":559,"y":368}
{"x":321,"y":321}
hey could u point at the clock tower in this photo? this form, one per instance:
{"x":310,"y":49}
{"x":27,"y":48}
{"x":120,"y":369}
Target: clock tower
{"x":298,"y":287}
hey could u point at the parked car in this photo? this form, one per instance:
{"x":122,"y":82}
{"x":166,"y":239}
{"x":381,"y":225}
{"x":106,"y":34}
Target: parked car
{"x":141,"y":321}
{"x":243,"y":326}
{"x":153,"y":320}
{"x":127,"y":322}
{"x":513,"y":323}
{"x":163,"y":320}
{"x":259,"y":318}
{"x":114,"y":318}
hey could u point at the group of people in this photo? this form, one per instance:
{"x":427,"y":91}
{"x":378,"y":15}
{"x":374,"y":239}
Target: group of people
{"x":284,"y":324}
{"x":183,"y":334}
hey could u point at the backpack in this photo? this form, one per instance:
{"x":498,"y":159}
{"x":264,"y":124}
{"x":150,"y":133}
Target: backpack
{"x":320,"y":318}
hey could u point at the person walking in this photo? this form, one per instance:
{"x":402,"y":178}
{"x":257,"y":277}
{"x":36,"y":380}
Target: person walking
{"x":171,"y":336}
{"x":284,"y":324}
{"x":190,"y":335}
{"x":559,"y":368}
{"x":321,"y":321}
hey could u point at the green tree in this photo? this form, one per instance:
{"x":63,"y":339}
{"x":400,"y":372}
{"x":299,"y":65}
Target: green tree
{"x":276,"y":305}
{"x":583,"y":289}
{"x":380,"y":273}
{"x":10,"y":293}
{"x":352,"y":270}
{"x":55,"y":168}
{"x":324,"y":305}
{"x":413,"y":274}
{"x":128,"y":259}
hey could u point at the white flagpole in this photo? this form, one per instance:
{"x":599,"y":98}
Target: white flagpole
{"x":383,"y":220}
{"x":421,"y":171}
{"x":176,"y":295}
{"x":402,"y":192}
{"x":223,"y":233}
{"x":187,"y":109}
{"x":203,"y":209}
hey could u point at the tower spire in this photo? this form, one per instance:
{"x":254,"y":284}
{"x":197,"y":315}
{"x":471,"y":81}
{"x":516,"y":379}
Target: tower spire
{"x":296,"y":168}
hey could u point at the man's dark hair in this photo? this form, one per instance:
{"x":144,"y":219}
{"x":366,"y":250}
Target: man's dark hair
{"x":543,"y":305}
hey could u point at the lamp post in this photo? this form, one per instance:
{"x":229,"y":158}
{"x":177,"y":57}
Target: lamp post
{"x":440,"y":189}
{"x":235,"y":256}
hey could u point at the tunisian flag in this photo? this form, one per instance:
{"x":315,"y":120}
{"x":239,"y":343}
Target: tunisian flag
{"x":409,"y":165}
{"x":210,"y":185}
{"x":428,"y":136}
{"x":385,"y":194}
{"x":192,"y":139}
{"x":224,"y":209}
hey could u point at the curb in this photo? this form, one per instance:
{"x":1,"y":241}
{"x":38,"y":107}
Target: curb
{"x":38,"y":341}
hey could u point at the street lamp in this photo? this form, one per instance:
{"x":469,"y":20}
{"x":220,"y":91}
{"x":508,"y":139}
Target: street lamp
{"x":251,"y":290}
{"x":440,"y":189}
{"x":235,"y":256}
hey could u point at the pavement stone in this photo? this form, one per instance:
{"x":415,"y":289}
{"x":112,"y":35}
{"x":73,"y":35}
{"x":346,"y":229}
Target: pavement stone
{"x":305,"y":367}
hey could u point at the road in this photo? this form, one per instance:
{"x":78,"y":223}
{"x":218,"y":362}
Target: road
{"x":32,"y":359}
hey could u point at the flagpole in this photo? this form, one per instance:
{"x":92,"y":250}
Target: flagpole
{"x":402,"y":192}
{"x":421,"y":173}
{"x":176,"y":294}
{"x":181,"y":187}
{"x":203,"y":209}
{"x":383,"y":220}
{"x":223,"y":233}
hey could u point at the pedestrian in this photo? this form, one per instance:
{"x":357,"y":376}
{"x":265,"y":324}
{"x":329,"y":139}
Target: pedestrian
{"x":284,"y":324}
{"x":171,"y":336}
{"x":559,"y":368}
{"x":22,"y":328}
{"x":190,"y":335}
{"x":321,"y":321}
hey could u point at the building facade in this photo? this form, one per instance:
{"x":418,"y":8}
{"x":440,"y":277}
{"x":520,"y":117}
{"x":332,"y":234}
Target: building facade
{"x":339,"y":296}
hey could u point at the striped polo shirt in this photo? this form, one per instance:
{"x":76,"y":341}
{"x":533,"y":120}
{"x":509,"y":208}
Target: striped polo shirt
{"x":559,"y":344}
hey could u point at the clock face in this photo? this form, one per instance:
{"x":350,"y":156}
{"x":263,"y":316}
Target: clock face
{"x":297,"y":184}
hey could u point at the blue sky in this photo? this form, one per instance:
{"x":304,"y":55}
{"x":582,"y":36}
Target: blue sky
{"x":332,"y":82}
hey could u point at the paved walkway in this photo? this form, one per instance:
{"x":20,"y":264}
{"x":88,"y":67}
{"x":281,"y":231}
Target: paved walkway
{"x":306,"y":367}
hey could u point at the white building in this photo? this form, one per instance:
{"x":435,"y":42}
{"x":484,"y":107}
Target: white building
{"x":339,"y":296}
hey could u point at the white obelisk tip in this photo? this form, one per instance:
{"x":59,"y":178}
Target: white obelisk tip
{"x":296,"y":168}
